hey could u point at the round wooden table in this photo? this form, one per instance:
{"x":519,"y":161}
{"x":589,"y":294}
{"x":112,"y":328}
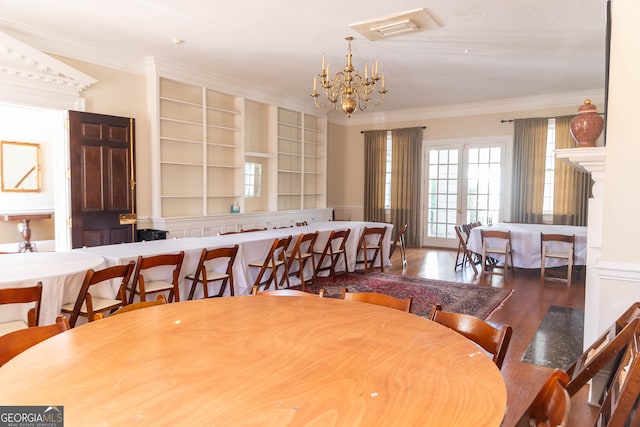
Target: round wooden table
{"x":260,"y":361}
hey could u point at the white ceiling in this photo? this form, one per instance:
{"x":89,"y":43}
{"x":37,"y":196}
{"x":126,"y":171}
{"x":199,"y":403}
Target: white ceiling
{"x":484,"y":49}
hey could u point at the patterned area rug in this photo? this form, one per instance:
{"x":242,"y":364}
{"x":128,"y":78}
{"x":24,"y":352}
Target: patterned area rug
{"x":558,"y":340}
{"x":452,"y":296}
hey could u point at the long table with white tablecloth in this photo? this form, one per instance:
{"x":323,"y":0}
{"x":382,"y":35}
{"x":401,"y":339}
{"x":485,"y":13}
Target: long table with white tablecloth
{"x":252,"y":246}
{"x":525,"y":240}
{"x":61,"y":274}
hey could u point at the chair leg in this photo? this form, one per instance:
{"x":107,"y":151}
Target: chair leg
{"x":467,"y":255}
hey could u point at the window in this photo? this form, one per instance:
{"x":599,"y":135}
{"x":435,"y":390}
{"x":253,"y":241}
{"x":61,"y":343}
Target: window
{"x":387,"y":182}
{"x":252,"y":179}
{"x":484,"y":184}
{"x":549,"y":168}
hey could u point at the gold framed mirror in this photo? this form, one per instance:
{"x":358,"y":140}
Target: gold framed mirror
{"x":20,"y":166}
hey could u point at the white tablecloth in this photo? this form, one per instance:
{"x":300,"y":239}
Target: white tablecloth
{"x":252,"y":246}
{"x":525,"y":240}
{"x":61,"y":274}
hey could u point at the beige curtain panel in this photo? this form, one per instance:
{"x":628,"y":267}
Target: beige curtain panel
{"x":529,"y":149}
{"x":406,"y":169}
{"x":375,"y":167}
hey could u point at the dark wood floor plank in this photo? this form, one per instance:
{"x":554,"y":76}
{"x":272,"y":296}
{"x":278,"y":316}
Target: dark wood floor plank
{"x":524,"y":311}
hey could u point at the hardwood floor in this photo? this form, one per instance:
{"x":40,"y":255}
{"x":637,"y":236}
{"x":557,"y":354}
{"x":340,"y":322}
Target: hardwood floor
{"x":524,"y":311}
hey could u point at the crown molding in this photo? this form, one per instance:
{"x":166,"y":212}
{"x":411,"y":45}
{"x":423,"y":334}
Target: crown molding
{"x":25,"y":66}
{"x":499,"y":106}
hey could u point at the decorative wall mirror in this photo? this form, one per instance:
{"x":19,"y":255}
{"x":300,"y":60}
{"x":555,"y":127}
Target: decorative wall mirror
{"x":20,"y":166}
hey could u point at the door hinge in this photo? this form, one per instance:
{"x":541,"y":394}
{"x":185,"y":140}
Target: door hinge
{"x":69,"y":222}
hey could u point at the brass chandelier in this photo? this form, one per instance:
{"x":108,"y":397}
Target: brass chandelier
{"x":348,"y":89}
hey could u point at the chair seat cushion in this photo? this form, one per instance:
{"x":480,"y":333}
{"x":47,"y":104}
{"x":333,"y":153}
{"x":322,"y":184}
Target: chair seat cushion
{"x":14,"y":325}
{"x":157,"y":285}
{"x":99,"y":304}
{"x":557,"y":255}
{"x":259,"y":263}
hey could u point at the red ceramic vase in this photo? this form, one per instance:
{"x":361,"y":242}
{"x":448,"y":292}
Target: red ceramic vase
{"x":587,"y":126}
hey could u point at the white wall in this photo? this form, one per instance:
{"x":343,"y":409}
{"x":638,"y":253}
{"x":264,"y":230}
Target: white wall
{"x":44,"y":127}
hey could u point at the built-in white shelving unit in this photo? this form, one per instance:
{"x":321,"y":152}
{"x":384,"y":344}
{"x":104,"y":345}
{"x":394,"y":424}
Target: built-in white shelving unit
{"x":205,"y":138}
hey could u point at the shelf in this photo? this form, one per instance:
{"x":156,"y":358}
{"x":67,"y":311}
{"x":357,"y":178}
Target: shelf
{"x":285,"y":139}
{"x":287,"y":153}
{"x":257,"y":154}
{"x":184,"y":122}
{"x":290,"y":125}
{"x":218,"y":144}
{"x":227,"y":128}
{"x":180,"y":140}
{"x":164,"y":162}
{"x":222,"y":110}
{"x":180,"y":101}
{"x":289,"y":171}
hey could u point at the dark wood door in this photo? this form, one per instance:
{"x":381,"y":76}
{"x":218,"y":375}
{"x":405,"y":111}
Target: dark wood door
{"x":102,"y":179}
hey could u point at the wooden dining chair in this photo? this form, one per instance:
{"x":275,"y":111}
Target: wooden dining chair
{"x":564,"y":248}
{"x":370,"y":248}
{"x":299,"y":255}
{"x":250,"y":230}
{"x":621,"y":404}
{"x":158,"y":273}
{"x":160,"y":300}
{"x":31,"y":295}
{"x":496,"y":242}
{"x":464,"y":255}
{"x":398,"y":241}
{"x":215,"y":265}
{"x":551,"y":405}
{"x":494,"y":341}
{"x":284,"y":292}
{"x":87,"y":305}
{"x":332,"y":251}
{"x":378,"y":299}
{"x":16,"y":342}
{"x":273,"y":261}
{"x":604,"y":353}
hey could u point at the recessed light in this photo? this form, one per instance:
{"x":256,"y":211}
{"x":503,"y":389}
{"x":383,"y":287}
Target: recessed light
{"x":177,"y":41}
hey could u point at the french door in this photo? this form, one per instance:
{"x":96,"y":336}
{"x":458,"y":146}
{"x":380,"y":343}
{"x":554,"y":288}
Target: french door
{"x":464,"y":184}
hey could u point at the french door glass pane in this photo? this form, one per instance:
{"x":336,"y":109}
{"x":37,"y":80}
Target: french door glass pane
{"x":484,"y":176}
{"x":443,"y":193}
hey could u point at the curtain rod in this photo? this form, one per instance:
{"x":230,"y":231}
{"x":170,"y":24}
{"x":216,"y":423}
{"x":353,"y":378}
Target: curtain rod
{"x":553,"y":117}
{"x":423,"y":127}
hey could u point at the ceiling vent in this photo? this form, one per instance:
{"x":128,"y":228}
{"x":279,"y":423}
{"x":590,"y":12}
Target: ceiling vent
{"x":395,"y":25}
